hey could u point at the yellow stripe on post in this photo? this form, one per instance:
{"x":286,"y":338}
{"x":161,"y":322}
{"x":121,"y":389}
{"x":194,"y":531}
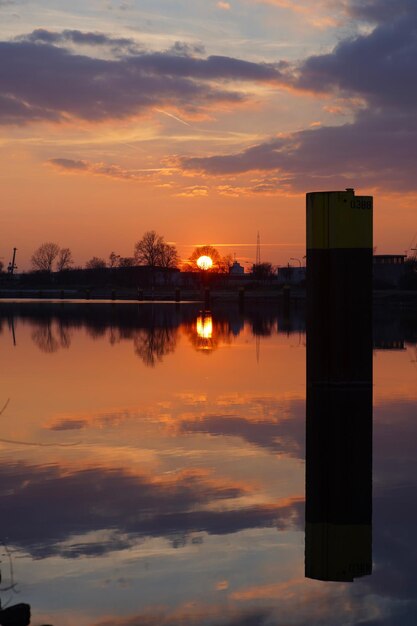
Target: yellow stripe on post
{"x":339,"y":219}
{"x":338,"y":552}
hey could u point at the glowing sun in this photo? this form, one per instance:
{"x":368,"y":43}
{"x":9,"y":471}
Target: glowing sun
{"x":204,"y":262}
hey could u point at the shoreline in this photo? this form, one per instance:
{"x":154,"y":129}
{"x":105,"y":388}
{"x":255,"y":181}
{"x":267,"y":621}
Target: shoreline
{"x":164,"y":295}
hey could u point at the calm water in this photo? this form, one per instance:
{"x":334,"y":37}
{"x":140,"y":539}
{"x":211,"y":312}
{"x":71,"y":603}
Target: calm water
{"x":153,"y":469}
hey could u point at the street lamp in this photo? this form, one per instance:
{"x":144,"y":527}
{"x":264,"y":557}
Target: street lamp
{"x":294,"y":259}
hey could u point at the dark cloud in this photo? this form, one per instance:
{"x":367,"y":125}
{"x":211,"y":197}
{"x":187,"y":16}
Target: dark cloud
{"x":379,"y":67}
{"x":69,"y":164}
{"x":279,"y":432}
{"x":103,"y":169}
{"x":379,"y":10}
{"x":375,"y":150}
{"x":182,"y":48}
{"x":394,"y":511}
{"x":41,"y":507}
{"x":13,"y":109}
{"x":379,"y":148}
{"x":116,"y":44}
{"x":41,"y":80}
{"x":201,"y":616}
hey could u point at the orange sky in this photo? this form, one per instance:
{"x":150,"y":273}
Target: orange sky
{"x":207,"y":124}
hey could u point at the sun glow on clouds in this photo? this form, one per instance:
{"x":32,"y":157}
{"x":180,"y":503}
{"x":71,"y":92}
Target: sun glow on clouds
{"x":71,"y":166}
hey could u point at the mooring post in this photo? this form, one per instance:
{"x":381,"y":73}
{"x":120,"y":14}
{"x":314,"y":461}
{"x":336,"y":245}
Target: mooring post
{"x":207,"y":297}
{"x":241,"y":297}
{"x":286,"y":298}
{"x":338,"y":542}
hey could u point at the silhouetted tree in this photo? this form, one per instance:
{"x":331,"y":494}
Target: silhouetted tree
{"x":226,"y":263}
{"x":44,"y":256}
{"x":152,"y":250}
{"x":168,"y":255}
{"x":114,"y":259}
{"x":64,"y":260}
{"x":95,"y":263}
{"x":1,"y":266}
{"x":147,"y":250}
{"x":126,"y":261}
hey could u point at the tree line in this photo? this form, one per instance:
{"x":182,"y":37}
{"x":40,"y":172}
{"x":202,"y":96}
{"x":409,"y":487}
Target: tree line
{"x":151,"y":251}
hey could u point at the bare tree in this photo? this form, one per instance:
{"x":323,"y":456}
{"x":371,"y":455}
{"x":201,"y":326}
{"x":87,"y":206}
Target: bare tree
{"x":147,"y":250}
{"x":152,"y":250}
{"x":168,"y":255}
{"x":64,"y":260}
{"x":114,"y":259}
{"x":44,"y":256}
{"x":126,"y":261}
{"x":95,"y":263}
{"x":225,"y":264}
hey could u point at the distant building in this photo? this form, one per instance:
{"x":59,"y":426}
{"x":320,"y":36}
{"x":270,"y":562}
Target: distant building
{"x":291,"y":275}
{"x":388,"y":269}
{"x":237,"y":269}
{"x":389,"y":259}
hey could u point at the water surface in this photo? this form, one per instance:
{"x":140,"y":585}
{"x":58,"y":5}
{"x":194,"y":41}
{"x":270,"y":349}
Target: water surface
{"x":153,"y":468}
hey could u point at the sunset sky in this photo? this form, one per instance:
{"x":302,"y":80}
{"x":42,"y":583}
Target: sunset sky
{"x":205,"y":120}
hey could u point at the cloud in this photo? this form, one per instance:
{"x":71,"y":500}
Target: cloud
{"x":275,"y":428}
{"x":379,"y":10}
{"x":194,"y":191}
{"x":378,"y":66}
{"x":70,"y":164}
{"x":370,"y":152}
{"x":224,"y":6}
{"x":45,"y":510}
{"x":195,"y":615}
{"x":378,"y":148}
{"x":319,"y":14}
{"x":103,"y":169}
{"x":41,"y":80}
{"x":77,"y":37}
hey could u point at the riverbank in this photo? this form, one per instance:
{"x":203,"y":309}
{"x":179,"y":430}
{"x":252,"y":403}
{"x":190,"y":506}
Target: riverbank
{"x":161,"y":294}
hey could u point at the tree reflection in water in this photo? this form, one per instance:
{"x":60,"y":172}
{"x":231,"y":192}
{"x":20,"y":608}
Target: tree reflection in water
{"x":152,"y":344}
{"x":153,"y":329}
{"x":50,"y":337}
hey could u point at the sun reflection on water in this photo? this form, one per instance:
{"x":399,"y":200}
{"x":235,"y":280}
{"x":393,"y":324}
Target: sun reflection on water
{"x":204,"y":329}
